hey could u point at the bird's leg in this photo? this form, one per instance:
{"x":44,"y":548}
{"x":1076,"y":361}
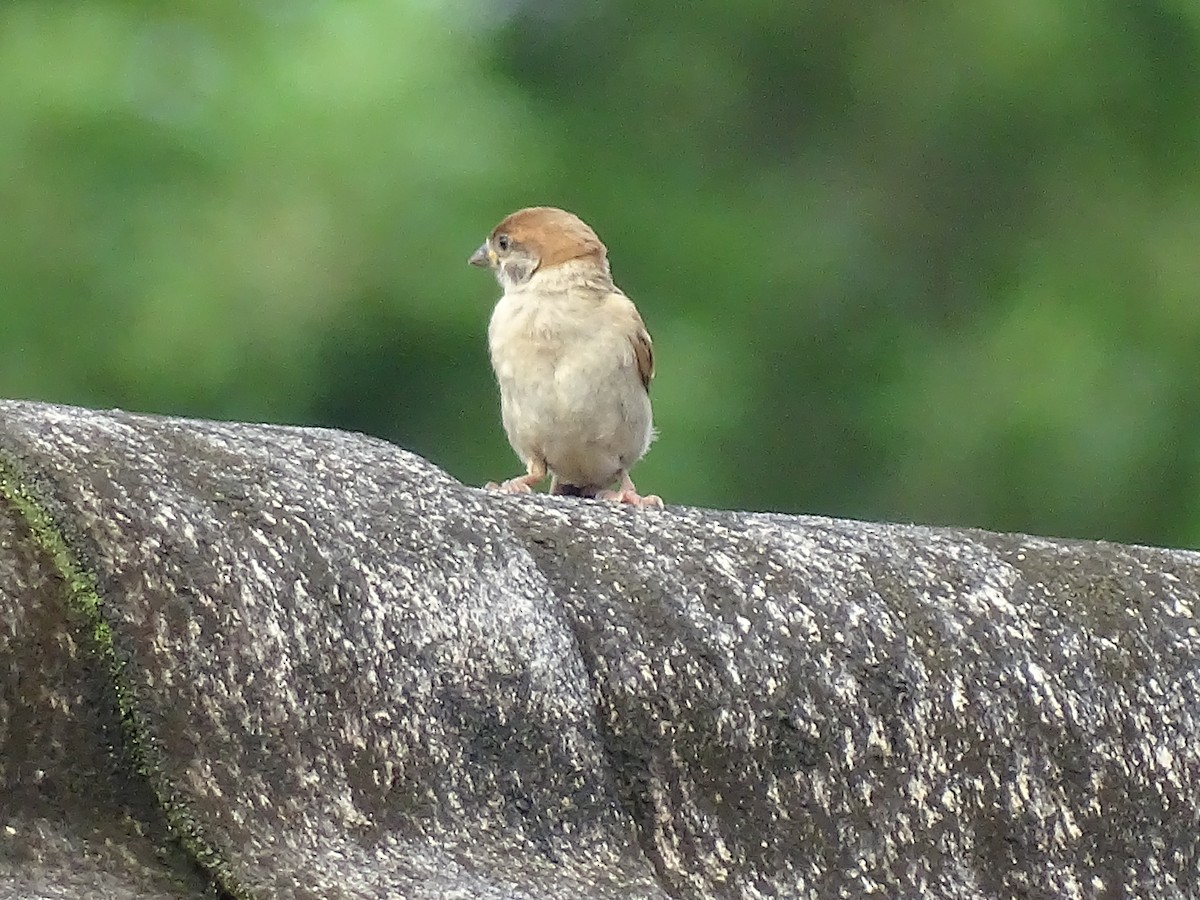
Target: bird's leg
{"x":522,"y":484}
{"x":628,"y":494}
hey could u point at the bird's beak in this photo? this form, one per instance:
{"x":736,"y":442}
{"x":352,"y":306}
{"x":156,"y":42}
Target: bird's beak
{"x":484,"y":257}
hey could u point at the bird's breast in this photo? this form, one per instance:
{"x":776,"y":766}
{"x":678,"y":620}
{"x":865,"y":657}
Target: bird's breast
{"x":569,"y":387}
{"x":530,"y":336}
{"x":558,"y":349}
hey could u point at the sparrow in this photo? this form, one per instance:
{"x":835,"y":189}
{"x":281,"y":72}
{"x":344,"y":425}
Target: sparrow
{"x":572,"y":358}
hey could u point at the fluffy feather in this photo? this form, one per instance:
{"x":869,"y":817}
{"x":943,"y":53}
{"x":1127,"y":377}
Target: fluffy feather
{"x":572,"y":357}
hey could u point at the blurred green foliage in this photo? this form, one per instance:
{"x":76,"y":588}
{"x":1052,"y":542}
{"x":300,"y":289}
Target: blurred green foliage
{"x":931,"y":262}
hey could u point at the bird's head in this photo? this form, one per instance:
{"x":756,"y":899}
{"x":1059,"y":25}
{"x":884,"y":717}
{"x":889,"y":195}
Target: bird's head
{"x":538,"y":239}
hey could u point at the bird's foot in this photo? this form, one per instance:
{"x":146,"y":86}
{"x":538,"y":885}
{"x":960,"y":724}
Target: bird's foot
{"x":521,"y":484}
{"x":628,"y":494}
{"x":518,"y":485}
{"x":633,"y":498}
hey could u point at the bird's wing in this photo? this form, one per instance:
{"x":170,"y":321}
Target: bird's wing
{"x":643,"y":351}
{"x":643,"y":347}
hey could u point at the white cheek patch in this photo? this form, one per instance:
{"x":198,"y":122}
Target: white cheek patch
{"x":517,"y":271}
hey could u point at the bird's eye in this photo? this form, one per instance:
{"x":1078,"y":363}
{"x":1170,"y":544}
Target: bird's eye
{"x":502,"y":241}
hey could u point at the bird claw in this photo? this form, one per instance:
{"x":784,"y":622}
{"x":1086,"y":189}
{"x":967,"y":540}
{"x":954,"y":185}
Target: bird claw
{"x":632,"y":498}
{"x":513,"y":486}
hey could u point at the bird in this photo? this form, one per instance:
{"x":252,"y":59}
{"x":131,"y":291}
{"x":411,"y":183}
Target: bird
{"x":572,"y":358}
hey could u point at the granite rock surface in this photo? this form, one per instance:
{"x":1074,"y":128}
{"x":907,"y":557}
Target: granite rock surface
{"x":259,"y":661}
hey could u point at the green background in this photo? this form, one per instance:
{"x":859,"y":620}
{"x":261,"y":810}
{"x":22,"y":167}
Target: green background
{"x":934,"y":262}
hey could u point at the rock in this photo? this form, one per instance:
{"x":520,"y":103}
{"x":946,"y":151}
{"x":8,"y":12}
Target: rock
{"x":292,"y":662}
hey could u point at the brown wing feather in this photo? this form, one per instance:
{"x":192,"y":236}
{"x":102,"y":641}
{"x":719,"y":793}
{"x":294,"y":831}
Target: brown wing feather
{"x":643,"y":351}
{"x":624,"y":312}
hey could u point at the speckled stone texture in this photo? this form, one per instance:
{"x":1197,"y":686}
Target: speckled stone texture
{"x":345,"y":675}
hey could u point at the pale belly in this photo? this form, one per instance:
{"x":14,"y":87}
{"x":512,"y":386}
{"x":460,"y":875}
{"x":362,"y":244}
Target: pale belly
{"x":587,"y":416}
